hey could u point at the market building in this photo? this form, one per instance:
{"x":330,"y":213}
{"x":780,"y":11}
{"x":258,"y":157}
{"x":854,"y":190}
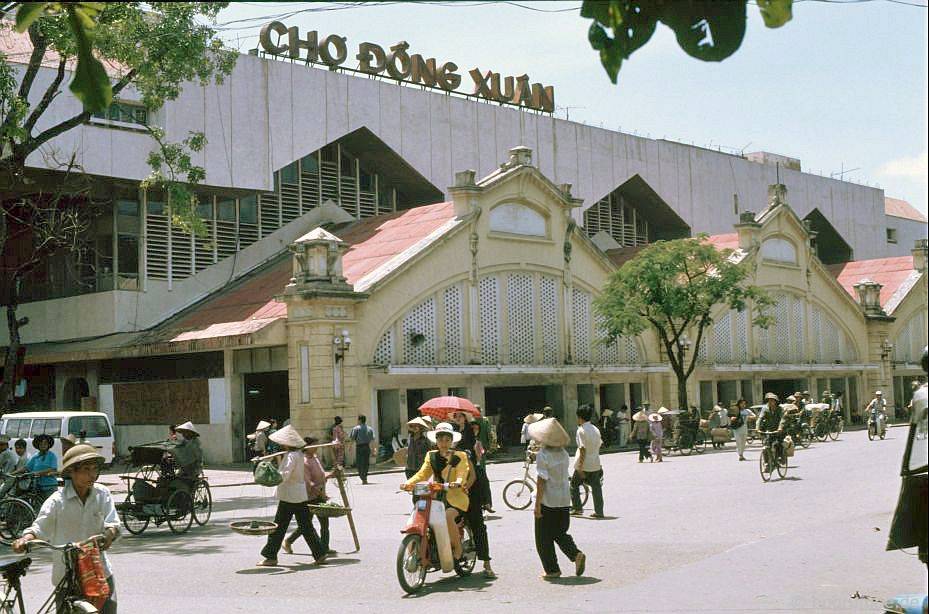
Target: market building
{"x":353,"y":264}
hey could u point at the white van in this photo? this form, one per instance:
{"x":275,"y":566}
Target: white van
{"x":93,"y":426}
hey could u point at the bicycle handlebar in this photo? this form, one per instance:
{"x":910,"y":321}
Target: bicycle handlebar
{"x":44,"y":544}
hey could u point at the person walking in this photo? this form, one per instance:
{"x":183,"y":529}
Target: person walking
{"x":292,"y":500}
{"x":79,"y":511}
{"x":260,"y":438}
{"x":739,"y":425}
{"x":587,"y":467}
{"x":362,"y":435}
{"x":553,"y":499}
{"x":641,"y":434}
{"x":314,"y":476}
{"x":657,"y":435}
{"x":418,"y":446}
{"x":337,"y":436}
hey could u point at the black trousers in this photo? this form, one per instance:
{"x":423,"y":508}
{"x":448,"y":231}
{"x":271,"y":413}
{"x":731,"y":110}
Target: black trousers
{"x":323,"y":529}
{"x":593,"y":479}
{"x":643,"y":449}
{"x":482,"y":485}
{"x":550,"y":529}
{"x":285,"y":513}
{"x":474,"y":518}
{"x":363,"y":460}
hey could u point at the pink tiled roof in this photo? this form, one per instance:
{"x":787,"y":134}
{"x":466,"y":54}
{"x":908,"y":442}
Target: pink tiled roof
{"x":248,"y":306}
{"x":725,"y":241}
{"x":900,"y":208}
{"x":891,"y":273}
{"x":18,"y":49}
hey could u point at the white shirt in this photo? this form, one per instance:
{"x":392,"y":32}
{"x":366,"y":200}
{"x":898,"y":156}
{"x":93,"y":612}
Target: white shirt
{"x":64,"y":519}
{"x":293,"y":488}
{"x":524,"y":434}
{"x":588,"y":437}
{"x":8,"y":461}
{"x":551,"y":465}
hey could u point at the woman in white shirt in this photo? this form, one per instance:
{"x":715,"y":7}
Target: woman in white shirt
{"x":553,"y":498}
{"x":740,"y":427}
{"x":292,"y":500}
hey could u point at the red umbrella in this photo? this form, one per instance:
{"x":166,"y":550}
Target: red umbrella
{"x":443,"y":407}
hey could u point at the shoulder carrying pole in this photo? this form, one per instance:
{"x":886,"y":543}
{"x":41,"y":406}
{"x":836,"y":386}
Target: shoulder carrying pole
{"x":340,"y":480}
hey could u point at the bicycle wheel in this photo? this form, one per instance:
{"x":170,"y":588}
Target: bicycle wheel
{"x":700,"y":442}
{"x":203,"y":503}
{"x":764,"y":464}
{"x":518,"y":494}
{"x":130,"y":514}
{"x":15,"y":516}
{"x":834,"y":431}
{"x":806,"y":436}
{"x":465,"y":565}
{"x":782,"y":465}
{"x":686,"y":444}
{"x":822,"y":431}
{"x":411,"y":573}
{"x":79,"y":606}
{"x":178,"y":511}
{"x":585,"y":494}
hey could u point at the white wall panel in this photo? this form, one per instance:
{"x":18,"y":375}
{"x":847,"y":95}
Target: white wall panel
{"x":363,"y":109}
{"x":441,"y":131}
{"x":280,"y":118}
{"x":414,"y":120}
{"x":309,"y":107}
{"x":337,"y":105}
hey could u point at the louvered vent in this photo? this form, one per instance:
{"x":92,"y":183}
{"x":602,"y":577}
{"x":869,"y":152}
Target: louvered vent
{"x":270,"y":214}
{"x":490,"y":325}
{"x":548,"y":297}
{"x":156,"y":252}
{"x":454,"y":330}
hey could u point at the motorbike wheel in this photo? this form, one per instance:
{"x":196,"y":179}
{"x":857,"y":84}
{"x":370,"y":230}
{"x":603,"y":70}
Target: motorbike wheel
{"x":465,"y":565}
{"x":870,"y":432}
{"x":411,"y":573}
{"x":883,"y":433}
{"x":699,"y":445}
{"x":518,"y":494}
{"x":80,"y":607}
{"x":822,"y":431}
{"x":765,"y":464}
{"x":806,"y":437}
{"x":585,"y":494}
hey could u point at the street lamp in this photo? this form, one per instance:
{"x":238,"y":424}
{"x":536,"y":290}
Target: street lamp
{"x":683,"y":342}
{"x":886,"y":348}
{"x":340,"y":344}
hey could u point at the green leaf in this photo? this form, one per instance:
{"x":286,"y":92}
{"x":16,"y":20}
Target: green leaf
{"x":775,"y":12}
{"x":707,"y":30}
{"x":27,"y":13}
{"x":91,"y":84}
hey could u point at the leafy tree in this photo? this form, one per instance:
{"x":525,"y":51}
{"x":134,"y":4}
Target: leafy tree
{"x":109,"y":48}
{"x":671,"y":287}
{"x":709,"y":30}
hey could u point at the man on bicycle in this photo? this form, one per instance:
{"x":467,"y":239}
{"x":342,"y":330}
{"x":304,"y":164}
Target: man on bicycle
{"x":772,"y":421}
{"x":82,"y":509}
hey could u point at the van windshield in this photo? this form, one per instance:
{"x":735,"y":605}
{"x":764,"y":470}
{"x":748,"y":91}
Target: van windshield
{"x":92,"y":426}
{"x":18,"y":427}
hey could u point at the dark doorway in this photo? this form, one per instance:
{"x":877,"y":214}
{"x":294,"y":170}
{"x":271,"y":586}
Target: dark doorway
{"x":75,"y":389}
{"x":510,"y":405}
{"x":266,"y":397}
{"x":783,"y":387}
{"x":416,"y":397}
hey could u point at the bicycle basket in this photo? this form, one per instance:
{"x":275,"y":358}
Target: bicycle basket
{"x":91,"y":574}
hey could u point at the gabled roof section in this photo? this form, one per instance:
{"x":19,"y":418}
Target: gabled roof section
{"x":661,"y":217}
{"x":896,"y":276}
{"x":520,"y":162}
{"x":897,"y":207}
{"x":831,"y":247}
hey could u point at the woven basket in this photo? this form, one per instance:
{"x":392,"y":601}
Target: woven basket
{"x":253,"y":527}
{"x":328,"y":511}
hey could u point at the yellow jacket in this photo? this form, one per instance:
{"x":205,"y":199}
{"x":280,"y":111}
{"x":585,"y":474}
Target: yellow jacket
{"x":456,"y":497}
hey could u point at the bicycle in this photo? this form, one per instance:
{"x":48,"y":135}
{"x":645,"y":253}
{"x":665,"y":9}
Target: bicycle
{"x":773,"y":456}
{"x":67,"y":596}
{"x":689,"y":439}
{"x":517,"y":494}
{"x":800,"y":432}
{"x":18,"y":509}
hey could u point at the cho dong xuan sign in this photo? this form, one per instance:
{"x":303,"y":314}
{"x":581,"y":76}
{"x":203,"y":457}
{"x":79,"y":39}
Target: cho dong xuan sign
{"x":397,"y":63}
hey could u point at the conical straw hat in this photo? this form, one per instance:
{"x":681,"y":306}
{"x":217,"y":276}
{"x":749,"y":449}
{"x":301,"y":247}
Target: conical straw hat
{"x":287,"y":436}
{"x":549,"y":432}
{"x":533,"y":418}
{"x":640,"y":416}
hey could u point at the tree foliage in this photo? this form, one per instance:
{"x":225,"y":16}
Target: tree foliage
{"x":709,"y":30}
{"x":672,"y":287}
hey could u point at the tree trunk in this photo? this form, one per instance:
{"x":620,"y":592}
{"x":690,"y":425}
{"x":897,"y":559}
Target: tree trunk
{"x":681,"y":390}
{"x":11,"y":363}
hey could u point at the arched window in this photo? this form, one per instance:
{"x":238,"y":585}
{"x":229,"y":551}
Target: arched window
{"x":779,"y":250}
{"x":517,"y":219}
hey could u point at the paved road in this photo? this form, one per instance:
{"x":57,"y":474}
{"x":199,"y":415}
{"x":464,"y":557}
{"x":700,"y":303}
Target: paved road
{"x":698,"y":533}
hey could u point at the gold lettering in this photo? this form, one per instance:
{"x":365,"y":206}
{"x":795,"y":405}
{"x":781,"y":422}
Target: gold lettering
{"x":341,"y":51}
{"x":310,"y":44}
{"x":543,"y":98}
{"x":507,"y":94}
{"x":265,"y":37}
{"x":523,"y":95}
{"x":481,"y":88}
{"x":447,"y":78}
{"x":423,"y":71}
{"x":398,"y":54}
{"x":368,"y":52}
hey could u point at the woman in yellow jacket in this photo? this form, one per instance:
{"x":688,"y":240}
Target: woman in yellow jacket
{"x":446,"y":466}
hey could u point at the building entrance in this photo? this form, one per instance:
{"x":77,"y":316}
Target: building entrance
{"x":783,"y":387}
{"x":509,"y":405}
{"x":266,"y":398}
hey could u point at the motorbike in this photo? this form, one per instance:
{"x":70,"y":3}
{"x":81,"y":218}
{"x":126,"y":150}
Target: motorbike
{"x":877,"y":426}
{"x":426,"y":545}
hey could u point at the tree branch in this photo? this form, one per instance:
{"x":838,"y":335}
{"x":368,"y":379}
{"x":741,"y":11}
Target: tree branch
{"x":50,"y":93}
{"x":39,"y":47}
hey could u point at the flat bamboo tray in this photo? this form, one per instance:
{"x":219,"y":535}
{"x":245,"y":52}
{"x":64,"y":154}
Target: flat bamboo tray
{"x":328,"y":511}
{"x":253,"y":527}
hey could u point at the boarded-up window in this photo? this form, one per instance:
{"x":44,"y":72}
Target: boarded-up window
{"x":162,"y":402}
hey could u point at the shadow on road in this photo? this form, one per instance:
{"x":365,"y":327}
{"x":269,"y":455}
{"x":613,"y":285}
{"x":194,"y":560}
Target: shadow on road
{"x":281,"y":570}
{"x":476,"y":582}
{"x":582,"y":581}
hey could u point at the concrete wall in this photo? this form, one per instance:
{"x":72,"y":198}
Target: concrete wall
{"x":269,"y":113}
{"x":908,"y":232}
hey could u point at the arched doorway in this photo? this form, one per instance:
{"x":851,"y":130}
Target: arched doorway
{"x":76,"y":388}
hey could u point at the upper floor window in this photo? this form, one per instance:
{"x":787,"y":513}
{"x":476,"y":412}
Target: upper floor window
{"x":120,"y":112}
{"x":891,"y":235}
{"x":779,"y":250}
{"x":517,"y":219}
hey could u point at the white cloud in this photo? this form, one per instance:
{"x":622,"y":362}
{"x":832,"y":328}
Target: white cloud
{"x":911,"y":167}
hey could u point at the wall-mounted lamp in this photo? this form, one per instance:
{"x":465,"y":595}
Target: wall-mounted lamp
{"x":683,"y":342}
{"x":886,"y":348}
{"x":340,"y":345}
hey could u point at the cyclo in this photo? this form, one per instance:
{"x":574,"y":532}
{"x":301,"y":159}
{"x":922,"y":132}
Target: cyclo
{"x":426,"y":545}
{"x":155,"y":493}
{"x":686,"y":438}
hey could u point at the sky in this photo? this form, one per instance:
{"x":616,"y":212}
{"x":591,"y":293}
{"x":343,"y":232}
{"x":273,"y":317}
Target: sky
{"x":842,"y":87}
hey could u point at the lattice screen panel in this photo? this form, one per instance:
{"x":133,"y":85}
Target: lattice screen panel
{"x":831,"y":334}
{"x":419,"y":334}
{"x":702,"y":351}
{"x":548,"y":298}
{"x":608,"y":352}
{"x":454,"y":328}
{"x":780,"y":333}
{"x":816,"y":334}
{"x":489,"y":299}
{"x":631,"y":351}
{"x":520,"y":299}
{"x":797,"y":335}
{"x":384,"y":352}
{"x":740,"y":337}
{"x":910,"y":341}
{"x":722,"y":339}
{"x":581,"y":304}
